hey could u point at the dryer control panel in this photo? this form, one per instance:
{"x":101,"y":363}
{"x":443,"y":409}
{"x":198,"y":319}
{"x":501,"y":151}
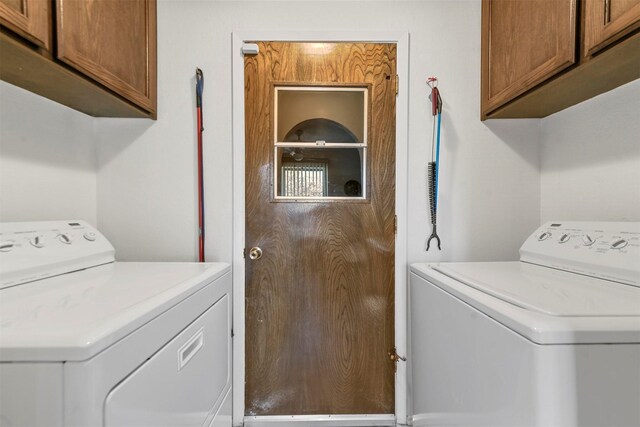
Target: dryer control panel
{"x":35,"y":250}
{"x":607,"y":250}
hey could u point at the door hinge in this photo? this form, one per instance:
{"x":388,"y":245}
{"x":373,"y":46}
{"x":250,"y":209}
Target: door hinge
{"x":395,"y":358}
{"x":395,"y":224}
{"x":397,"y":84}
{"x":244,"y":253}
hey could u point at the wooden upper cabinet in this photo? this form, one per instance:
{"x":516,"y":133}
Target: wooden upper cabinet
{"x":523,"y":44}
{"x":113,"y":42}
{"x":606,"y":21}
{"x":30,"y":19}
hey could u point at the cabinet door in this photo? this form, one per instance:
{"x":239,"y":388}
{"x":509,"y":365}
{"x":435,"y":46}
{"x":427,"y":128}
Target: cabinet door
{"x":30,"y":19}
{"x":606,"y":21}
{"x":113,"y":42}
{"x":523,"y":44}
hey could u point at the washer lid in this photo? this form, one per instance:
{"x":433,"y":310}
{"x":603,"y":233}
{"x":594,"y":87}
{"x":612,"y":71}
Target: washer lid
{"x":547,"y":290}
{"x":76,"y":315}
{"x":543,"y":305}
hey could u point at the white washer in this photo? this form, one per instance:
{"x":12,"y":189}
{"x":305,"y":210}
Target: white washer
{"x":86,"y":341}
{"x":551,"y":340}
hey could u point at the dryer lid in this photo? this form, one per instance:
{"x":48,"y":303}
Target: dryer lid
{"x":547,"y":290}
{"x":75,"y":316}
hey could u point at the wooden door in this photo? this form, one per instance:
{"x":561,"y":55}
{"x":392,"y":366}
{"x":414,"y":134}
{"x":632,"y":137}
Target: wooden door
{"x":606,"y":21}
{"x":30,"y":19}
{"x":320,"y":300}
{"x":112,"y":42}
{"x":523,"y":44}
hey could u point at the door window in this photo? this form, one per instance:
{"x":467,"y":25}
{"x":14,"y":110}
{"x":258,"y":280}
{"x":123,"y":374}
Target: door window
{"x":320,"y":142}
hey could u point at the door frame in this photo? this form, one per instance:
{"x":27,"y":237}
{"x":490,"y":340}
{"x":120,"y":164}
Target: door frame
{"x":401,"y":39}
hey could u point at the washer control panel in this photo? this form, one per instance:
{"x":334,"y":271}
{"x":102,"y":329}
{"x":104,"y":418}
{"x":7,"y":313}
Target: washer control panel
{"x":35,"y":250}
{"x":608,"y":250}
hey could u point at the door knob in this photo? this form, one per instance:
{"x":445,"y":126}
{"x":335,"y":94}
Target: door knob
{"x":255,"y":253}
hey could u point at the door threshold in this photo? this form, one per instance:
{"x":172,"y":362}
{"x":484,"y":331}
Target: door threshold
{"x":357,"y":420}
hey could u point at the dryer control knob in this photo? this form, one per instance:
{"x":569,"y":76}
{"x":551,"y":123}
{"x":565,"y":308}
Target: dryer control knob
{"x":6,"y":246}
{"x":65,"y":238}
{"x":588,"y":240}
{"x":90,"y":236}
{"x":37,"y":242}
{"x":544,"y":236}
{"x":564,"y":238}
{"x":619,"y":244}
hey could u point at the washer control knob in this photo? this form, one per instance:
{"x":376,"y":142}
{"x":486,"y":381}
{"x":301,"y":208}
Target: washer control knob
{"x":37,"y":242}
{"x":544,"y":236}
{"x":588,"y":240}
{"x":65,"y":238}
{"x":90,"y":236}
{"x":7,"y":245}
{"x":564,"y":238}
{"x":619,"y":244}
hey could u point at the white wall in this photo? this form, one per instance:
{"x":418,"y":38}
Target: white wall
{"x":47,"y":159}
{"x":146,"y":177}
{"x":590,"y":167}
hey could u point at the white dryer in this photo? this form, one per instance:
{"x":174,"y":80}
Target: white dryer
{"x":551,"y":340}
{"x":86,"y":341}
